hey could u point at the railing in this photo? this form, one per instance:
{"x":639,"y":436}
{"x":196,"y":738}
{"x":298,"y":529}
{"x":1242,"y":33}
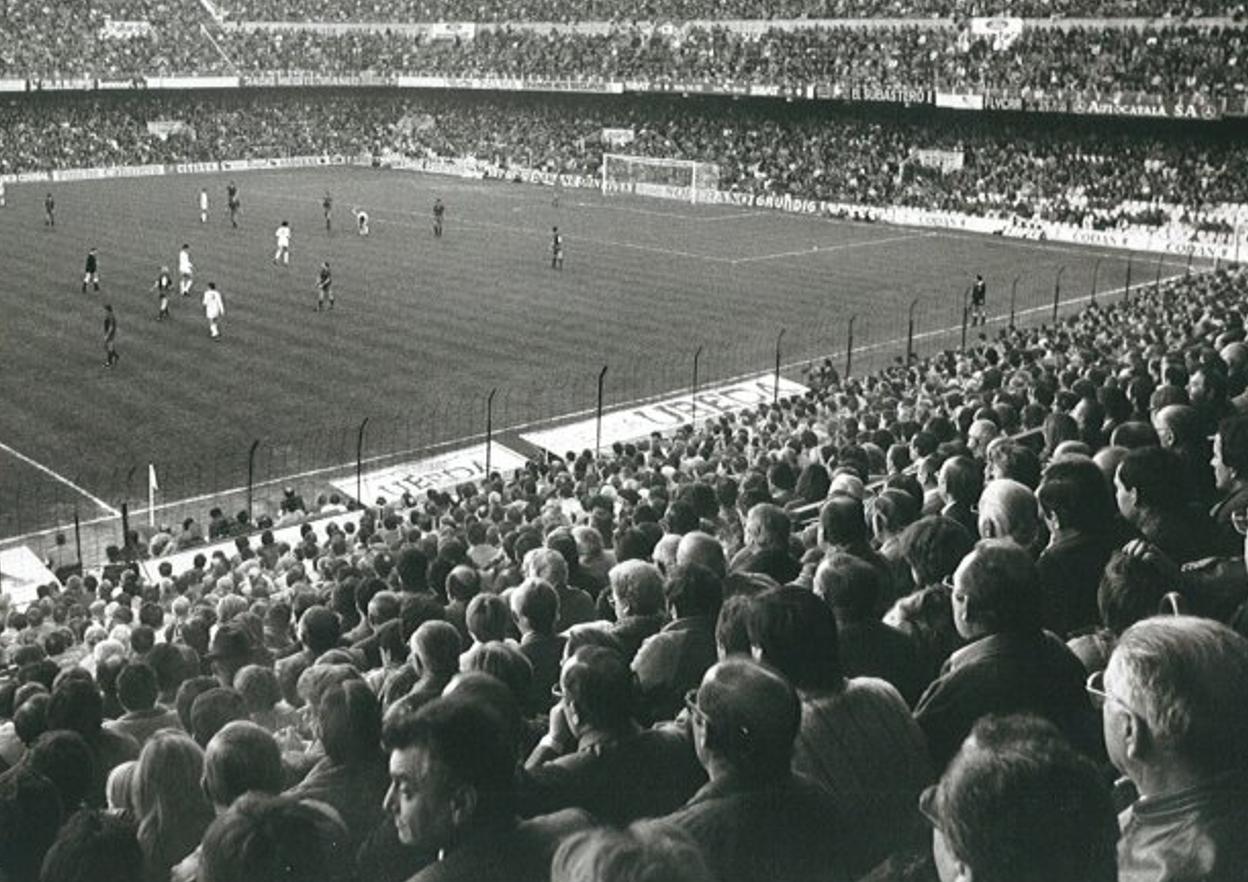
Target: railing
{"x":249,"y":476}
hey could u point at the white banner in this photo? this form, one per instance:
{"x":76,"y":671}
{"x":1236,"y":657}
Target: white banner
{"x":12,"y":85}
{"x":1001,"y":30}
{"x":943,"y":160}
{"x":436,"y":473}
{"x":663,"y":416}
{"x":618,"y":137}
{"x":959,"y":101}
{"x":21,"y":574}
{"x":114,"y":29}
{"x":452,"y":30}
{"x":193,"y":82}
{"x":116,"y":171}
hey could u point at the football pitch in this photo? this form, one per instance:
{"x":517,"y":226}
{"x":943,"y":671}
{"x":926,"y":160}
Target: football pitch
{"x":424,"y":328}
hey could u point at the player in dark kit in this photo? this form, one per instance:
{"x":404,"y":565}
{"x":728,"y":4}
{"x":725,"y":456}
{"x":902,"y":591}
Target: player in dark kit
{"x":979,"y":298}
{"x":556,"y":249}
{"x":439,"y":210}
{"x":163,"y":287}
{"x":324,"y":289}
{"x":49,"y":211}
{"x":91,"y":273}
{"x":110,"y":336}
{"x":328,"y":205}
{"x":232,"y":203}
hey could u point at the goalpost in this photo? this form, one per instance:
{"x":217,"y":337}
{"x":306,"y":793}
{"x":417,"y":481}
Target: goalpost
{"x":683,"y":179}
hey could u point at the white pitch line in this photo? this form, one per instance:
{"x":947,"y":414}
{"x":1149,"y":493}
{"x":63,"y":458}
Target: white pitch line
{"x":57,"y":476}
{"x":518,"y":427}
{"x":845,"y":246}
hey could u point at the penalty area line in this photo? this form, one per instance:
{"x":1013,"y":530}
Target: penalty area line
{"x":58,"y":477}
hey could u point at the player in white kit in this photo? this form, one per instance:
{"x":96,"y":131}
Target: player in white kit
{"x":186,"y":270}
{"x":203,"y":206}
{"x":282,"y":254}
{"x":361,"y":221}
{"x":214,"y":309}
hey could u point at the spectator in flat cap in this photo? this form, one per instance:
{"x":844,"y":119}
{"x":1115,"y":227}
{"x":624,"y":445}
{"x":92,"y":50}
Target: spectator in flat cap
{"x":1173,"y":702}
{"x":757,"y":819}
{"x":1010,"y":665}
{"x":1019,"y":804}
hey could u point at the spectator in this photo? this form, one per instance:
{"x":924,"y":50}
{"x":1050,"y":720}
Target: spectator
{"x":433,"y":661}
{"x":275,"y":839}
{"x":637,"y":597}
{"x":94,"y":846}
{"x":1018,"y":803}
{"x":1010,"y":664}
{"x":642,"y":851}
{"x":856,"y":738}
{"x":137,"y":690}
{"x":1150,"y":494}
{"x":756,"y":818}
{"x":767,"y":550}
{"x":1172,"y":698}
{"x":535,"y":607}
{"x":673,"y":661}
{"x":597,"y":757}
{"x":1230,"y":468}
{"x":575,"y":605}
{"x":1080,"y":517}
{"x":77,"y":705}
{"x":452,"y":795}
{"x":169,"y":803}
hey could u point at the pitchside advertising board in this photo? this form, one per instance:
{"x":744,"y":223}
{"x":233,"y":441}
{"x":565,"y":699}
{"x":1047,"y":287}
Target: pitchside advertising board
{"x":21,"y":574}
{"x":463,"y":466}
{"x":664,"y":416}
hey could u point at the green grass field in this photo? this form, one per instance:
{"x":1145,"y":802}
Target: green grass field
{"x":425,"y":327}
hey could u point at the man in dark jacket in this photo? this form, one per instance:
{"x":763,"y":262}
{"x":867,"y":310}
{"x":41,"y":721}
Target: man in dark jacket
{"x":1010,"y":665}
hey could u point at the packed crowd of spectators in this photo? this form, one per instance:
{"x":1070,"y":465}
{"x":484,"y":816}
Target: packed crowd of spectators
{"x":703,"y":10}
{"x":904,"y":626}
{"x":1167,"y":60}
{"x":1177,"y":60}
{"x":1075,"y":171}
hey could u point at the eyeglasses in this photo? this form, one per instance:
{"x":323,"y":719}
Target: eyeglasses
{"x":691,"y":704}
{"x":1096,"y":690}
{"x":927,"y":806}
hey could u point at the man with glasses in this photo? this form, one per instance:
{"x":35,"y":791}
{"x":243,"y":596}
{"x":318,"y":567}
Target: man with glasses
{"x":757,"y":820}
{"x":1174,"y":701}
{"x":1010,"y":664}
{"x":1018,"y":804}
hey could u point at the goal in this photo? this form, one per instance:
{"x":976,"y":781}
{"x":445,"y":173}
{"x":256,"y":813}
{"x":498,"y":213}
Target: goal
{"x":682,"y":179}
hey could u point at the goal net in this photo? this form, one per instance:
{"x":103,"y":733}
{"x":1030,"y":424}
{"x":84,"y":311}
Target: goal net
{"x":682,"y":179}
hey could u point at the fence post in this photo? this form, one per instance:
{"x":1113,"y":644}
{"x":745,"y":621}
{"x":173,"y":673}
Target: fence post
{"x":602,"y":377}
{"x":251,"y":475}
{"x":1157,"y":275}
{"x":489,"y":429}
{"x":1188,"y":270}
{"x":77,"y":535}
{"x":1096,"y":272}
{"x":359,"y":463}
{"x":775,"y":389}
{"x":693,"y":393}
{"x":849,"y":348}
{"x":1126,"y":290}
{"x":1057,"y":291}
{"x":126,"y":551}
{"x":966,"y":313}
{"x":1013,"y":298}
{"x":910,"y":333}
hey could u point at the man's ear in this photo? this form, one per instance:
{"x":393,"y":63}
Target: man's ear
{"x":464,"y":805}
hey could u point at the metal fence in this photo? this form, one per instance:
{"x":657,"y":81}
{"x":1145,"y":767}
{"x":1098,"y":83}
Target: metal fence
{"x":249,"y":477}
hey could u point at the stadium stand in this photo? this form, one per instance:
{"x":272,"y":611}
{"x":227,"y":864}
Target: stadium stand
{"x":905,"y":625}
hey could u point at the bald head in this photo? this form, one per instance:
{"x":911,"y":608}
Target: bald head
{"x":664,"y":553}
{"x":752,"y":718}
{"x":463,"y":583}
{"x":1176,"y":424}
{"x":1008,"y":510}
{"x":979,"y":436}
{"x":436,"y":646}
{"x":702,"y":548}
